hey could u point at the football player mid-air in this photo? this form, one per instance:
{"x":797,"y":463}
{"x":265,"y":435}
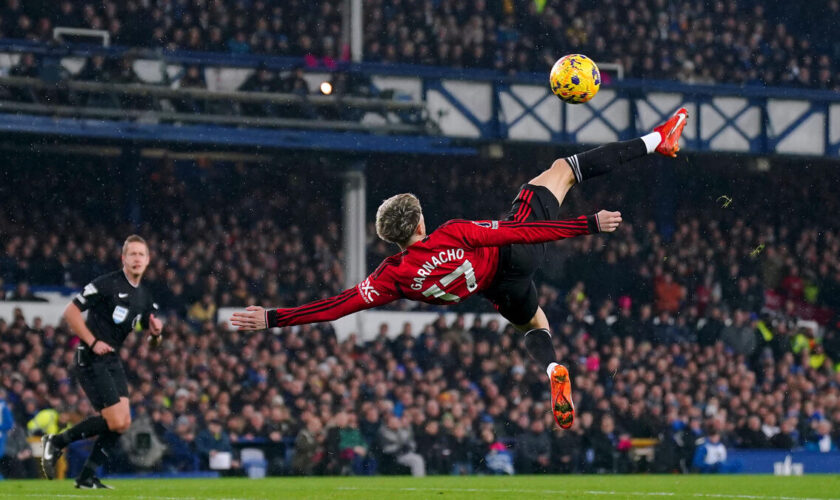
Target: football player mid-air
{"x":497,"y":259}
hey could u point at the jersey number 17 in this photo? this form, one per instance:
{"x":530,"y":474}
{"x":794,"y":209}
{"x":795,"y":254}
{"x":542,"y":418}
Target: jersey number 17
{"x":465,"y":269}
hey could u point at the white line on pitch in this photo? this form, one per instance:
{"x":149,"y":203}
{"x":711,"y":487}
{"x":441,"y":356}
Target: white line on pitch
{"x":101,"y":495}
{"x":586,"y":492}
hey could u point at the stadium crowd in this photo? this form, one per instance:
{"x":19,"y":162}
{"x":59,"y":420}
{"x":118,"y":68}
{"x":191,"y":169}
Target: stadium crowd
{"x":725,"y":41}
{"x":711,"y":319}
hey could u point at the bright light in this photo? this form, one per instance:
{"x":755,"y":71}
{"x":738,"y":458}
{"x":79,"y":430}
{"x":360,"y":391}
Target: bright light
{"x":326,"y":88}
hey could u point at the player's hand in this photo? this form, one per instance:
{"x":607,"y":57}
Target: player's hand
{"x":608,"y":221}
{"x":251,"y":319}
{"x":100,"y":348}
{"x":155,"y":325}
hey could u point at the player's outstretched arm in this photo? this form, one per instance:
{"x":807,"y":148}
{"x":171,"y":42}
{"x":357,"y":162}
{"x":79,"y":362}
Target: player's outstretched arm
{"x":363,"y":296}
{"x":499,"y":233}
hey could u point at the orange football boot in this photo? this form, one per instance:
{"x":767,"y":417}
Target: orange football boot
{"x":561,"y":397}
{"x":671,"y":131}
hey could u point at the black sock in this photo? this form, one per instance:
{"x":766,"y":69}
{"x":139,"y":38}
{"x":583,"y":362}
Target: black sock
{"x":97,"y":457}
{"x":601,"y":160}
{"x":539,"y":346}
{"x":89,"y":427}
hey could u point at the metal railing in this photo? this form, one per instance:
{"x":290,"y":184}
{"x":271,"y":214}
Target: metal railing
{"x":160,"y":104}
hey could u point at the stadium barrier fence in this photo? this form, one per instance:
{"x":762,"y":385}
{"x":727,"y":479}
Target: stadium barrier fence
{"x":485,"y":105}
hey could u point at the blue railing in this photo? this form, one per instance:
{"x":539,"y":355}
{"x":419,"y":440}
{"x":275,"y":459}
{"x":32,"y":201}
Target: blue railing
{"x":484,"y":105}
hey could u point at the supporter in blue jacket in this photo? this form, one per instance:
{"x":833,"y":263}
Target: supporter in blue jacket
{"x":711,"y":456}
{"x":6,"y":420}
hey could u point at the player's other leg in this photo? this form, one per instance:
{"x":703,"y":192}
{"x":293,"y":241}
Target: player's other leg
{"x":565,"y":172}
{"x":539,"y":347}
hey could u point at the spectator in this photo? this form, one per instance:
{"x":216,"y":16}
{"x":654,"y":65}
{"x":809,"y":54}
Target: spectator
{"x":347,"y":443}
{"x":668,"y":294}
{"x":24,"y":294}
{"x":203,"y":311}
{"x":6,"y":419}
{"x":95,"y":70}
{"x":191,"y":78}
{"x":822,"y":440}
{"x":309,"y":457}
{"x":603,"y":444}
{"x":751,"y":435}
{"x":398,"y":444}
{"x":786,"y":439}
{"x":740,"y":335}
{"x":711,"y":456}
{"x":212,"y":440}
{"x":435,"y":448}
{"x":18,"y":462}
{"x":262,"y":80}
{"x":533,"y":449}
{"x":492,"y":455}
{"x":181,"y":455}
{"x":26,"y":67}
{"x":463,"y":449}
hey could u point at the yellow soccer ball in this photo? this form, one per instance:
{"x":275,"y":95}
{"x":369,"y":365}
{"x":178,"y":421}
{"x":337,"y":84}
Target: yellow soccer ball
{"x":575,"y":78}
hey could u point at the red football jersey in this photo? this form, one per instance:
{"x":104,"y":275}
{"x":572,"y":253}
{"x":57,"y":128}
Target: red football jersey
{"x":457,"y":260}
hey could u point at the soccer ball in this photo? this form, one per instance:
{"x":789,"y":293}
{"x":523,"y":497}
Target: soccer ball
{"x":575,"y":78}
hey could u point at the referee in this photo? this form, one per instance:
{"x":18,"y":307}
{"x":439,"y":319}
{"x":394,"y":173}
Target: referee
{"x":117,"y":304}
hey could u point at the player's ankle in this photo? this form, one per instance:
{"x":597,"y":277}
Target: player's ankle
{"x":652,"y":141}
{"x":550,"y":369}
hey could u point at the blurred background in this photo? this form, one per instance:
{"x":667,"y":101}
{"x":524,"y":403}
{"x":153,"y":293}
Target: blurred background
{"x":250,"y":143}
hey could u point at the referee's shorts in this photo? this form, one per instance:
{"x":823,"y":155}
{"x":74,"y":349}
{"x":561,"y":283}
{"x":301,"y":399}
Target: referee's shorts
{"x":102,"y":377}
{"x":513,"y":292}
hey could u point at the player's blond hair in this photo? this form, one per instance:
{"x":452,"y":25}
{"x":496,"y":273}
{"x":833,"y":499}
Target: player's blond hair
{"x":397,"y":218}
{"x":133,"y":239}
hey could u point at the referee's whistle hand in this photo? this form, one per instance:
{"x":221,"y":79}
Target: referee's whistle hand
{"x":251,"y":319}
{"x":101,"y":348}
{"x":155,"y":325}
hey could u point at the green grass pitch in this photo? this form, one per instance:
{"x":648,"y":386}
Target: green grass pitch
{"x":514,"y":487}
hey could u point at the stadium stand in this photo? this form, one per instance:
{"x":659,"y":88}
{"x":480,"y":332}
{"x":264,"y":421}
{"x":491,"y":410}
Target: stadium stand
{"x":717,"y":317}
{"x":726,"y":41}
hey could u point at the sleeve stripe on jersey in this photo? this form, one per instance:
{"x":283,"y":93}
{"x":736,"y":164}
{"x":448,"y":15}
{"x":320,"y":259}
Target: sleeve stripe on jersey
{"x":319,"y":306}
{"x":525,"y":207}
{"x":551,"y":224}
{"x":327,"y":300}
{"x":295,"y":313}
{"x":571,"y":224}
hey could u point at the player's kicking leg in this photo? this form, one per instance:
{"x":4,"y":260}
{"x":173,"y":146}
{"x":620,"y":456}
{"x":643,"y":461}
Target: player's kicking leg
{"x":562,"y":175}
{"x":565,"y":172}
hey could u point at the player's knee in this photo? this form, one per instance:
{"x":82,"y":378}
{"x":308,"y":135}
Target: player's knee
{"x":126,"y":424}
{"x":114,"y":423}
{"x":565,"y":170}
{"x":119,"y":423}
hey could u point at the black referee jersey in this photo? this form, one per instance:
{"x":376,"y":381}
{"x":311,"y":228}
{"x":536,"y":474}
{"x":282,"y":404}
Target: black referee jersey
{"x":115,"y":307}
